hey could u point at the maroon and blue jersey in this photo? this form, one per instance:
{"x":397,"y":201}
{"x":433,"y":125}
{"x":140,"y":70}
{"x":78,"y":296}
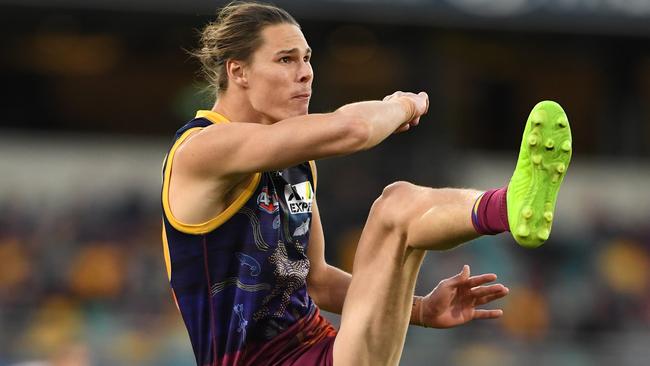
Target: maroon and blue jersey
{"x":239,"y":279}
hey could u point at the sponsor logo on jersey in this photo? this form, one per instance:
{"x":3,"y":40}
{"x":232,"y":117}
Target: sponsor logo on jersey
{"x":267,"y":202}
{"x":299,"y":197}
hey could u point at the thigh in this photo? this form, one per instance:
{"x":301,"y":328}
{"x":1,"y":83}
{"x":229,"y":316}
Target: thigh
{"x":403,"y":222}
{"x":378,"y":303}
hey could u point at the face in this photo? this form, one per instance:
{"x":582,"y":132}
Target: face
{"x":279,"y":75}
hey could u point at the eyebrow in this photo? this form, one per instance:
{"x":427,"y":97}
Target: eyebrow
{"x":292,"y":51}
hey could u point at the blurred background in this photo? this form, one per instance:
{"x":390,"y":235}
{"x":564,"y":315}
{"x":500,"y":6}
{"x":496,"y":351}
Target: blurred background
{"x":93,"y":90}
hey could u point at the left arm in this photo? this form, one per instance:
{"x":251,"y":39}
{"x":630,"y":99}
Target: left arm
{"x":454,"y":301}
{"x":326,"y":284}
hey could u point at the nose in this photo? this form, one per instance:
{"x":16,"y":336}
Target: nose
{"x":306,"y":73}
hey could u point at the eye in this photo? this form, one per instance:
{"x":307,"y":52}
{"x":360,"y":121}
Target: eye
{"x":306,"y":58}
{"x":285,"y":59}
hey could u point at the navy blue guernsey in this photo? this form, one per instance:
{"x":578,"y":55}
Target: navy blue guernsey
{"x":239,"y":279}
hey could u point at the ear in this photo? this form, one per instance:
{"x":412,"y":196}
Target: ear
{"x":236,"y":73}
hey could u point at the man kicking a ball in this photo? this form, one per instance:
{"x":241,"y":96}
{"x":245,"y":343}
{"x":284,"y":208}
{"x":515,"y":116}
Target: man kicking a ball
{"x":243,"y":241}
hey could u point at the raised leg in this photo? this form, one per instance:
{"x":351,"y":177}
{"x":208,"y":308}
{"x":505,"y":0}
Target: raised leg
{"x":403,"y":222}
{"x":407,"y":220}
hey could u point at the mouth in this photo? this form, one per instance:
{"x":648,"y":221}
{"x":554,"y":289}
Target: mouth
{"x":303,"y":96}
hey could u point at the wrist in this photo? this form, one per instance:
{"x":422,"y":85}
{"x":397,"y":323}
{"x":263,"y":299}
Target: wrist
{"x":417,"y":311}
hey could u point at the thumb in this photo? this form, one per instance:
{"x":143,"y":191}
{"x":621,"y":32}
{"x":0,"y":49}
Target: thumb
{"x":426,"y":101}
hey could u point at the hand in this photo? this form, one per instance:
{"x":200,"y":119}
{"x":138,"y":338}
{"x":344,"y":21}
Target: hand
{"x":417,"y":104}
{"x":453,"y":302}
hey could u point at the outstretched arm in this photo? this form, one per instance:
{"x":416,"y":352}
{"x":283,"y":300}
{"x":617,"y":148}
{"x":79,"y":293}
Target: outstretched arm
{"x":454,"y":301}
{"x":228,"y":149}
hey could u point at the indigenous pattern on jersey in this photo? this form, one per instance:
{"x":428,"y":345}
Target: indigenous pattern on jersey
{"x":239,"y":279}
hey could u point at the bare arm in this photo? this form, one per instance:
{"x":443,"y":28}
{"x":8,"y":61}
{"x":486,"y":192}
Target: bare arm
{"x":326,"y":284}
{"x":240,"y":148}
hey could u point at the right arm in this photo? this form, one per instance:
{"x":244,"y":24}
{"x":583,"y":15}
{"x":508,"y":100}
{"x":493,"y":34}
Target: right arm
{"x":231,"y":149}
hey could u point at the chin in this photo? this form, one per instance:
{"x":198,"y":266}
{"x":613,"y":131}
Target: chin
{"x":289,"y":112}
{"x":303,"y":111}
{"x":296,"y":113}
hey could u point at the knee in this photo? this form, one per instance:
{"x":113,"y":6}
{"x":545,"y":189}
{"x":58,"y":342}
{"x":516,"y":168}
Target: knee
{"x":393,"y":207}
{"x":397,"y":194}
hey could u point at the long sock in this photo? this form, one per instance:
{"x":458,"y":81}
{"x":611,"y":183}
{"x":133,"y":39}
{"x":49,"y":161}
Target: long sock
{"x":490,"y":212}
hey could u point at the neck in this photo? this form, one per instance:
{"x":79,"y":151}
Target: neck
{"x":236,"y":107}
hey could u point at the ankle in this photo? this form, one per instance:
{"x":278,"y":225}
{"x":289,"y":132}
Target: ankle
{"x":490,"y":212}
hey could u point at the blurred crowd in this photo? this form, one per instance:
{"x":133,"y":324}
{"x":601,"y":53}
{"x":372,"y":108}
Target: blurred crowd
{"x":88,"y":287}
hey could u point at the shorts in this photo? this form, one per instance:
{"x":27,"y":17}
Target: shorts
{"x":309,"y":342}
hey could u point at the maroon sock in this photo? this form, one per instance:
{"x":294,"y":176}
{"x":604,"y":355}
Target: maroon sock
{"x":490,"y":216}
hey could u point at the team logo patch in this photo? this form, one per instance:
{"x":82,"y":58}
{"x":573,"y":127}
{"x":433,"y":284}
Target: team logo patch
{"x":267,"y":202}
{"x":299,"y":197}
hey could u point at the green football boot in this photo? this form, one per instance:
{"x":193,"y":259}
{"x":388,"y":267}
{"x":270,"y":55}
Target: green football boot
{"x":543,"y":161}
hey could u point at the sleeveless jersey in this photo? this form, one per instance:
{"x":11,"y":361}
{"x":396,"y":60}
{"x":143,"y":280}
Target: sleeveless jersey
{"x":239,"y":279}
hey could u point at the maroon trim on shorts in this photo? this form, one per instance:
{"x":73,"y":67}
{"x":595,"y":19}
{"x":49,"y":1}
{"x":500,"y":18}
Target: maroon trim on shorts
{"x":309,"y":342}
{"x":319,"y":354}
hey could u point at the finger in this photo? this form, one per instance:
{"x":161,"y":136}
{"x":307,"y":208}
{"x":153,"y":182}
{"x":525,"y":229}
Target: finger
{"x":481,"y":291}
{"x":460,"y":277}
{"x":489,"y":298}
{"x":481,"y":279}
{"x":487,"y":314}
{"x":402,"y":128}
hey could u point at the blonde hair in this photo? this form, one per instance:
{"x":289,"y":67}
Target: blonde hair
{"x":235,"y":35}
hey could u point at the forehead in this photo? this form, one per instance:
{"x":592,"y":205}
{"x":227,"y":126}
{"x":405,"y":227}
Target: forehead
{"x":283,"y":37}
